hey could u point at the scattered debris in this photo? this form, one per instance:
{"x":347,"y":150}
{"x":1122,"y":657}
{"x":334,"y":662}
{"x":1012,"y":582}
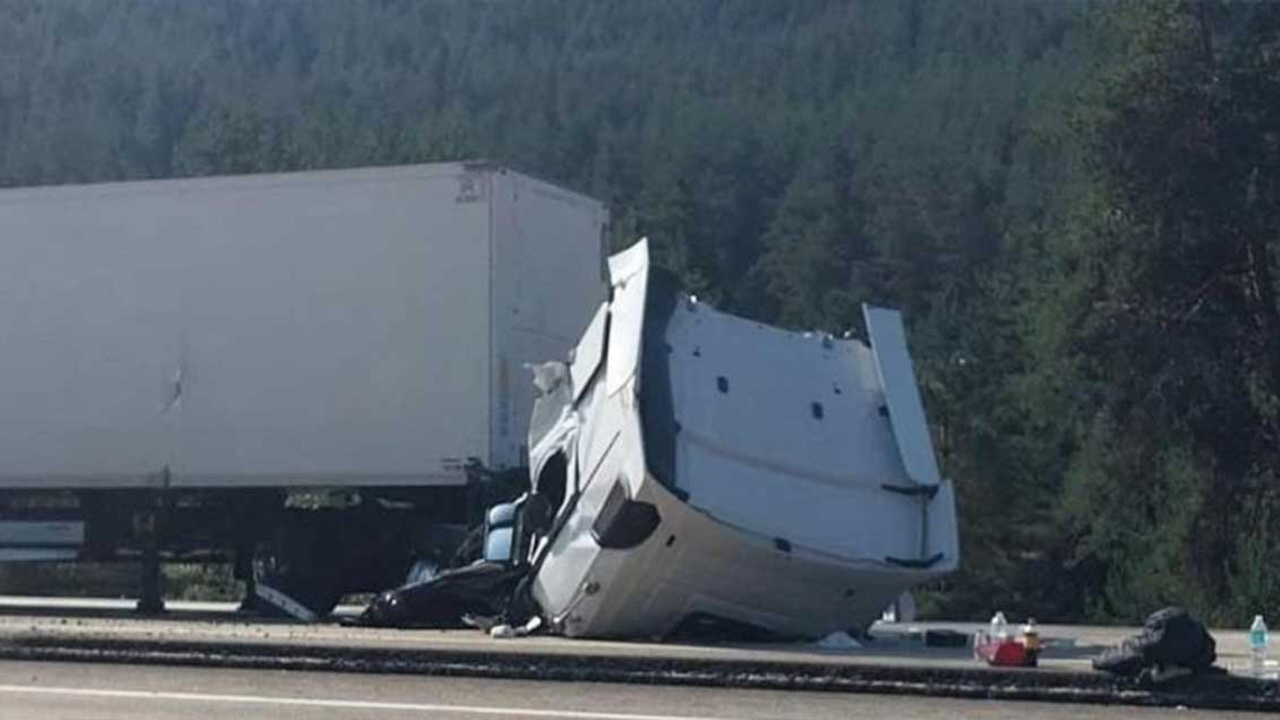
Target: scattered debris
{"x":473,"y":594}
{"x":997,"y":647}
{"x":902,"y":610}
{"x":507,"y":631}
{"x":1172,"y":644}
{"x":442,"y":602}
{"x":1259,"y":640}
{"x":839,"y":641}
{"x":1003,"y":652}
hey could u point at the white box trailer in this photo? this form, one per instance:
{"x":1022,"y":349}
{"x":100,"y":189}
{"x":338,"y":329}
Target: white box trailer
{"x":362,"y":328}
{"x":351,"y":328}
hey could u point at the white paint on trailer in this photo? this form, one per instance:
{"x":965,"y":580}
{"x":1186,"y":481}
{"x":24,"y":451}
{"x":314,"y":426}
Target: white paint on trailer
{"x":329,"y":328}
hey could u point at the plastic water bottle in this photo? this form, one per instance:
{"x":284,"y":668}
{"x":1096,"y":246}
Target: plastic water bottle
{"x":999,"y":627}
{"x":1258,"y":641}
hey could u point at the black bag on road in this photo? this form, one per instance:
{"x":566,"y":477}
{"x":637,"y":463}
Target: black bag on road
{"x":1171,"y":638}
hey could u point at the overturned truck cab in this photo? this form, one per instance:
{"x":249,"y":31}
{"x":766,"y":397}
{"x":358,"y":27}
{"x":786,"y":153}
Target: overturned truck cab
{"x":693,"y":472}
{"x":699,"y":467}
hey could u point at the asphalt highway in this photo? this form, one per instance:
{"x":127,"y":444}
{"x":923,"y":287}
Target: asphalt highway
{"x":57,"y":691}
{"x":1068,"y":648}
{"x":205,"y":660}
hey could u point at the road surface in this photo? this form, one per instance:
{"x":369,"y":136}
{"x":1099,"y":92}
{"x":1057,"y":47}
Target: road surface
{"x":56,"y":691}
{"x":1068,"y":648}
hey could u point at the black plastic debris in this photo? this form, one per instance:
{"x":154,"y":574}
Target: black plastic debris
{"x":482,"y":588}
{"x":1172,"y":644}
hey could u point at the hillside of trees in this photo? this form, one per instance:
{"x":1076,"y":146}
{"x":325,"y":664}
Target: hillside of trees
{"x":1076,"y":205}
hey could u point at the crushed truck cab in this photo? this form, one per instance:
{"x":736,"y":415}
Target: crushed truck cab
{"x":702,"y":467}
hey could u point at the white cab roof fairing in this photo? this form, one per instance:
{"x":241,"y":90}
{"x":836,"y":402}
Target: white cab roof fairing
{"x":902,"y":397}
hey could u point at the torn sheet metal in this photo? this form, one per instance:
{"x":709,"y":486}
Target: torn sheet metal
{"x":720,"y":468}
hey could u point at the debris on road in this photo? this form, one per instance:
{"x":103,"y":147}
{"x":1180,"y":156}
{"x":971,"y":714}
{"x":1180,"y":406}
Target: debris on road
{"x":998,"y":648}
{"x":1003,"y":652}
{"x":479,"y":591}
{"x":1259,"y":641}
{"x":838,"y":641}
{"x":1172,"y":644}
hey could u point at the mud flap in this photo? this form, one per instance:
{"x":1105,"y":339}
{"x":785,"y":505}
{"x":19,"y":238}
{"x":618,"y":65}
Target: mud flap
{"x":306,"y":597}
{"x":297,"y":573}
{"x":282,"y":602}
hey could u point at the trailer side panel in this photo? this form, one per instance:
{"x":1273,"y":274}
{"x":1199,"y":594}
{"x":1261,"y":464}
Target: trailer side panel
{"x":308,"y":329}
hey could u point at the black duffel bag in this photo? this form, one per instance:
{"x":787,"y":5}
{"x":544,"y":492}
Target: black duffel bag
{"x":1171,"y":638}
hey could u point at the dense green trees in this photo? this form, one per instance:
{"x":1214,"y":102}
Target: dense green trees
{"x":1156,"y":328}
{"x":1075,"y":205}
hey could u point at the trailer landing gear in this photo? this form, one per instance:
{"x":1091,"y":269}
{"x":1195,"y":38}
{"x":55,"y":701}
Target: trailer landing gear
{"x":151,"y":599}
{"x":242,"y":569}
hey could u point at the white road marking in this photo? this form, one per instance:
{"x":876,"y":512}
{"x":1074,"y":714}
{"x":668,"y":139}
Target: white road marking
{"x":340,"y":704}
